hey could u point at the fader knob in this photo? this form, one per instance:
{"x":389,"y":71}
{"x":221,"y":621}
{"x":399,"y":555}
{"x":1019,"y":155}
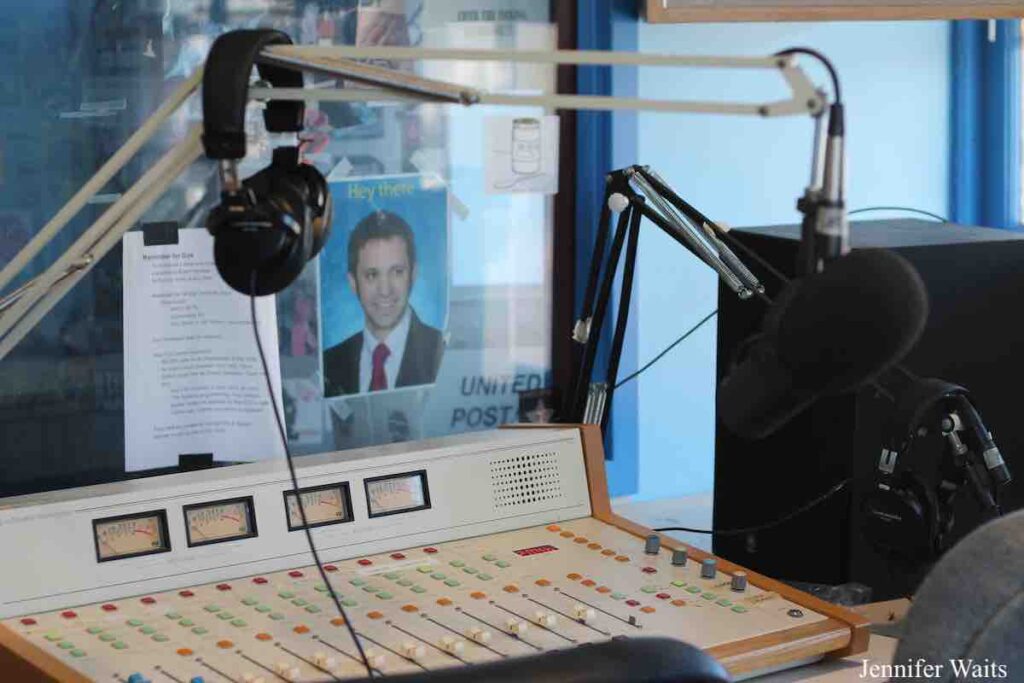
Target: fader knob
{"x":739,"y":582}
{"x":413,"y":650}
{"x":545,"y":619}
{"x":708,"y":567}
{"x":652,"y":546}
{"x":479,"y":635}
{"x":583,"y":613}
{"x":375,"y":658}
{"x":679,"y":557}
{"x":287,"y":671}
{"x":451,"y":645}
{"x":322,"y":660}
{"x":517,"y":626}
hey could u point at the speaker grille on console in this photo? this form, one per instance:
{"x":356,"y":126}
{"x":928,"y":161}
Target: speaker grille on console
{"x":523,"y":479}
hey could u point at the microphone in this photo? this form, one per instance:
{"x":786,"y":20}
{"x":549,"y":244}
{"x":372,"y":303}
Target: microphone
{"x":831,"y":229}
{"x":826,"y":334}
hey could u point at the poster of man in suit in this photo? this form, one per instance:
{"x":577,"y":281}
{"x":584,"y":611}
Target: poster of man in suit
{"x":384,"y":285}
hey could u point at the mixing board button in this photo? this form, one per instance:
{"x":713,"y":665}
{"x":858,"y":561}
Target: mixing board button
{"x":161,"y":638}
{"x":648,"y":589}
{"x":517,"y":626}
{"x":223,"y":586}
{"x":413,"y":650}
{"x":553,"y":527}
{"x":567,"y":534}
{"x":397,"y":556}
{"x":301,"y":629}
{"x":457,"y":563}
{"x":583,"y":613}
{"x":484,"y":577}
{"x":108,"y":607}
{"x":349,"y":602}
{"x":622,"y":558}
{"x":197,"y":679}
{"x":425,"y":568}
{"x":411,"y":609}
{"x":608,"y":552}
{"x":478,"y":595}
{"x":618,"y":596}
{"x":119,"y":645}
{"x":337,"y":621}
{"x":186,"y":623}
{"x":330,"y":568}
{"x":364,"y":562}
{"x":663,"y":596}
{"x":199,"y":631}
{"x":391,"y":576}
{"x":375,"y":615}
{"x":405,"y":582}
{"x":444,"y":602}
{"x":581,"y":539}
{"x":418,"y":589}
{"x":603,"y":589}
{"x":94,"y":630}
{"x":148,"y":600}
{"x":263,"y":609}
{"x":146,"y":630}
{"x":679,"y":603}
{"x":589,"y":583}
{"x":225,"y":644}
{"x":678,"y":584}
{"x":470,"y":570}
{"x":437,"y":575}
{"x":739,"y":609}
{"x":264,"y":636}
{"x":479,"y":635}
{"x":105,"y":637}
{"x":489,"y":558}
{"x":77,"y":653}
{"x":693,"y":589}
{"x":383,"y":595}
{"x":594,"y":546}
{"x":137,"y":678}
{"x":501,"y":564}
{"x":68,"y":614}
{"x":647,"y":610}
{"x":295,"y":574}
{"x":649,"y":570}
{"x":511,"y":588}
{"x":632,"y":603}
{"x":28,"y":621}
{"x":542,"y":582}
{"x":430,"y":551}
{"x":189,"y":594}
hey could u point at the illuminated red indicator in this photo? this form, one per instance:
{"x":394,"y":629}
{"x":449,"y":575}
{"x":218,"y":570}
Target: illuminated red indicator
{"x":295,"y":574}
{"x":330,"y":568}
{"x":535,"y":550}
{"x":259,"y":580}
{"x":186,"y":594}
{"x":663,"y":596}
{"x":148,"y":600}
{"x":108,"y":607}
{"x":649,"y":570}
{"x":632,"y":603}
{"x":68,"y":614}
{"x":28,"y":621}
{"x":364,"y":562}
{"x":397,"y":556}
{"x":223,"y":586}
{"x":430,"y":551}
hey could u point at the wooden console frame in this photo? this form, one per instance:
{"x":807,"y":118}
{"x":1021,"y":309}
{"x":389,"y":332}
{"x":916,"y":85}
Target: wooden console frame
{"x":656,"y":12}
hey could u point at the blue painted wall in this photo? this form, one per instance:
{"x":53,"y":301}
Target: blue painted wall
{"x":896,"y":84}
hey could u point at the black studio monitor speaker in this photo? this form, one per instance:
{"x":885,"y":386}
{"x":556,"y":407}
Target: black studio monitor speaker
{"x":974,"y":337}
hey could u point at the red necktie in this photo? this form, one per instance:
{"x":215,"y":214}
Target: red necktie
{"x":378,"y":380}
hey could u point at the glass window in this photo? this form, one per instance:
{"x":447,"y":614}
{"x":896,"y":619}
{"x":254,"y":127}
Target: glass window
{"x":81,"y":77}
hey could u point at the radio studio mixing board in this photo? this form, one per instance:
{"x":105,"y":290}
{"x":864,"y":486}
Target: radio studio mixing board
{"x":445,"y":553}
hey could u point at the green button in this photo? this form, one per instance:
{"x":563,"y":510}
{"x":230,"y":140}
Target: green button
{"x":263,"y":609}
{"x":451,"y":582}
{"x":489,"y":558}
{"x":147,"y":630}
{"x":287,"y":595}
{"x":437,"y":575}
{"x":678,"y":584}
{"x":200,"y":631}
{"x":77,"y":653}
{"x":134,"y":622}
{"x":349,"y":602}
{"x":105,"y":637}
{"x":405,"y":582}
{"x":424,"y":569}
{"x":119,"y":645}
{"x":649,"y":589}
{"x":693,"y":589}
{"x":419,"y":589}
{"x":66,"y":645}
{"x":618,"y":596}
{"x":53,"y":635}
{"x":224,"y":616}
{"x":708,"y":596}
{"x":320,"y":588}
{"x":94,"y":630}
{"x":276,"y":616}
{"x":391,"y":576}
{"x":161,"y":638}
{"x":457,"y":563}
{"x":357,"y":581}
{"x":186,"y":622}
{"x":371,"y":589}
{"x":484,"y":577}
{"x":471,"y":570}
{"x":312,"y":609}
{"x":208,"y":608}
{"x":501,"y":563}
{"x":249,"y":602}
{"x":384,"y":595}
{"x":175,"y":615}
{"x":299,"y":602}
{"x":724,"y":602}
{"x":238,"y":622}
{"x":739,"y":609}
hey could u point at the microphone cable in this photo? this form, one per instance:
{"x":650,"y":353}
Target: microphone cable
{"x":668,"y":348}
{"x":824,"y":60}
{"x":907,"y":209}
{"x":295,"y":486}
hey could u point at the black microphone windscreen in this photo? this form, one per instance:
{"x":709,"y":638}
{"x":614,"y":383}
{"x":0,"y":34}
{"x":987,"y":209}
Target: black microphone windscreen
{"x":825,"y":334}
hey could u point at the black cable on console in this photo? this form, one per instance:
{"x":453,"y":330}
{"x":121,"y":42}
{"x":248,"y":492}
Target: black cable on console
{"x":295,"y":486}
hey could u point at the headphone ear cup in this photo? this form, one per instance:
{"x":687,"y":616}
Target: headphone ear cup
{"x":903,"y":518}
{"x":321,"y":205}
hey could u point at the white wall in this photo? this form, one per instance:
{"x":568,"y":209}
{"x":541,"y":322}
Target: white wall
{"x":744,"y":171}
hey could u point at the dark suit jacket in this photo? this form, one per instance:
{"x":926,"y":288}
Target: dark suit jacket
{"x":423,"y":349}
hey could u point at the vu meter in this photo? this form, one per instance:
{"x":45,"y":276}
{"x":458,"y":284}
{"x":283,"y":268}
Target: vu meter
{"x":224,"y":520}
{"x":396,"y":493}
{"x":130,"y":535}
{"x":323,"y":505}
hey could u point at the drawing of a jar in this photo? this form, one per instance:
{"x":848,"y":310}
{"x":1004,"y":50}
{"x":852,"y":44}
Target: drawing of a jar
{"x":526,"y":146}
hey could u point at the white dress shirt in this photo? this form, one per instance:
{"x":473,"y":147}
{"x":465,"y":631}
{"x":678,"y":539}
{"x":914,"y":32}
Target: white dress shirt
{"x":395,"y":341}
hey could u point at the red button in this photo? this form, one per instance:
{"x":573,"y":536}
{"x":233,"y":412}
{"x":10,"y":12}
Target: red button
{"x":260,"y":580}
{"x":397,"y":556}
{"x":632,"y":603}
{"x":295,"y":573}
{"x":148,"y":601}
{"x":430,"y":551}
{"x":663,"y":596}
{"x":68,"y":614}
{"x":649,"y":570}
{"x":108,"y":608}
{"x":364,"y":562}
{"x":223,"y":586}
{"x":330,"y":568}
{"x":28,"y":621}
{"x":186,"y":594}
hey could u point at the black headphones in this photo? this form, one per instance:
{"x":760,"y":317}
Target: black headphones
{"x":909,"y":514}
{"x":268,"y":226}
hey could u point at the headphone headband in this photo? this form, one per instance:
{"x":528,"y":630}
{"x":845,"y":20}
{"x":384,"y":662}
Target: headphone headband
{"x":226,"y":91}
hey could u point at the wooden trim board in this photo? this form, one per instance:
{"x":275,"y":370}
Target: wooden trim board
{"x":23,"y":662}
{"x":657,"y":13}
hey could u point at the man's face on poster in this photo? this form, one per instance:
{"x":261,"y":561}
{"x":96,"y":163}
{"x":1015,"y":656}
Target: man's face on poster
{"x":382,"y":282}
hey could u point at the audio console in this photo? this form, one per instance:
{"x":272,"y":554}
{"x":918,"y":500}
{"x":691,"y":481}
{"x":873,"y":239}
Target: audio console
{"x":445,"y":553}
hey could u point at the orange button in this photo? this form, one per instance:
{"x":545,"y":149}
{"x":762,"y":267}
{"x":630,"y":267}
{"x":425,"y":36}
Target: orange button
{"x":374,"y":614}
{"x":594,"y":546}
{"x":184,"y":652}
{"x":511,"y":588}
{"x":264,"y":636}
{"x":607,"y":551}
{"x":567,"y":534}
{"x":604,"y":589}
{"x":478,"y":595}
{"x":588,"y":582}
{"x":554,"y":527}
{"x":444,"y":602}
{"x":542,"y":582}
{"x":647,"y":610}
{"x":410,"y":608}
{"x":225,"y":644}
{"x":574,"y":576}
{"x":301,"y":629}
{"x":621,"y":558}
{"x":581,"y":539}
{"x":679,"y":603}
{"x":337,"y":621}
